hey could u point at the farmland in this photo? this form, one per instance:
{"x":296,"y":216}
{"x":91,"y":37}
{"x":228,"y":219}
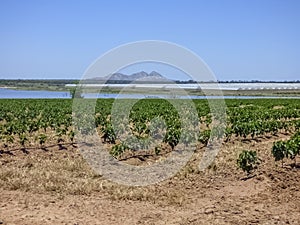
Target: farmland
{"x":27,"y":123}
{"x":41,"y":162}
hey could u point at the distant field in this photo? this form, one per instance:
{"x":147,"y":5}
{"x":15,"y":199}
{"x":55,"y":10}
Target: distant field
{"x":52,"y":85}
{"x":244,"y":89}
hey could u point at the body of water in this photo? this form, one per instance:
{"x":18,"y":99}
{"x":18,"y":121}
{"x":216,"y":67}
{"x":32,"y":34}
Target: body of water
{"x":9,"y":93}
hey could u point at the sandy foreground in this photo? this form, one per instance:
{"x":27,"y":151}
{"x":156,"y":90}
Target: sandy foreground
{"x":56,"y":186}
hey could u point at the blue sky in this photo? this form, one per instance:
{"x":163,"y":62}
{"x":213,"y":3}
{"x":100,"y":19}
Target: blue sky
{"x":239,"y":40}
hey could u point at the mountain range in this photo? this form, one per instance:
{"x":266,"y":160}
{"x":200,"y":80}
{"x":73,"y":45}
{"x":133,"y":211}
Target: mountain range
{"x":140,"y":76}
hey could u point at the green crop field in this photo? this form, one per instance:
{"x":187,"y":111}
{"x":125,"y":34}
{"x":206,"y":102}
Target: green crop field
{"x":38,"y":123}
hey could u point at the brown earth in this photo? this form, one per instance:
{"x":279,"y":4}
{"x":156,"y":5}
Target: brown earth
{"x":55,"y":186}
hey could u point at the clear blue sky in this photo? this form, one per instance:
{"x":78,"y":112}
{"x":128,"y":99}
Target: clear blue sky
{"x":239,"y":40}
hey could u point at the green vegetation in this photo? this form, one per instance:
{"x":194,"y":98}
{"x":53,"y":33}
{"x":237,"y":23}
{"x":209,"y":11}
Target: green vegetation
{"x":45,"y":84}
{"x":41,"y":122}
{"x":287,"y":149}
{"x":248,"y":161}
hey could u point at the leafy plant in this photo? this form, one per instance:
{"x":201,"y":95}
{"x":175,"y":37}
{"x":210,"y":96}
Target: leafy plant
{"x":157,"y":150}
{"x":72,"y":135}
{"x":204,"y":137}
{"x":287,"y":149}
{"x":23,"y":139}
{"x":248,"y":161}
{"x":108,"y":134}
{"x":279,"y":150}
{"x":118,"y":149}
{"x":42,"y":139}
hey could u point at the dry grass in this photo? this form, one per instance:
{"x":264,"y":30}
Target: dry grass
{"x":67,"y":173}
{"x":48,"y":173}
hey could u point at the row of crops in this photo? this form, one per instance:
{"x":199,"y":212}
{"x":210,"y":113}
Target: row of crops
{"x":149,"y":124}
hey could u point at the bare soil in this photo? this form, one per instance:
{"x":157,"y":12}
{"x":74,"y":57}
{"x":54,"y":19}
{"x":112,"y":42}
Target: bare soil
{"x":56,"y":186}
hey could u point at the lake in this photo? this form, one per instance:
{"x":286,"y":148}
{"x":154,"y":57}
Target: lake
{"x":9,"y":93}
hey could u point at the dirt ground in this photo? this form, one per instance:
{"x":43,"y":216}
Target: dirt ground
{"x":56,"y":186}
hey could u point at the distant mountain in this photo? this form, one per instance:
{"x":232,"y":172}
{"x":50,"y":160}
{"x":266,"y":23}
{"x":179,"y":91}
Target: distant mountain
{"x":143,"y":76}
{"x":140,"y":77}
